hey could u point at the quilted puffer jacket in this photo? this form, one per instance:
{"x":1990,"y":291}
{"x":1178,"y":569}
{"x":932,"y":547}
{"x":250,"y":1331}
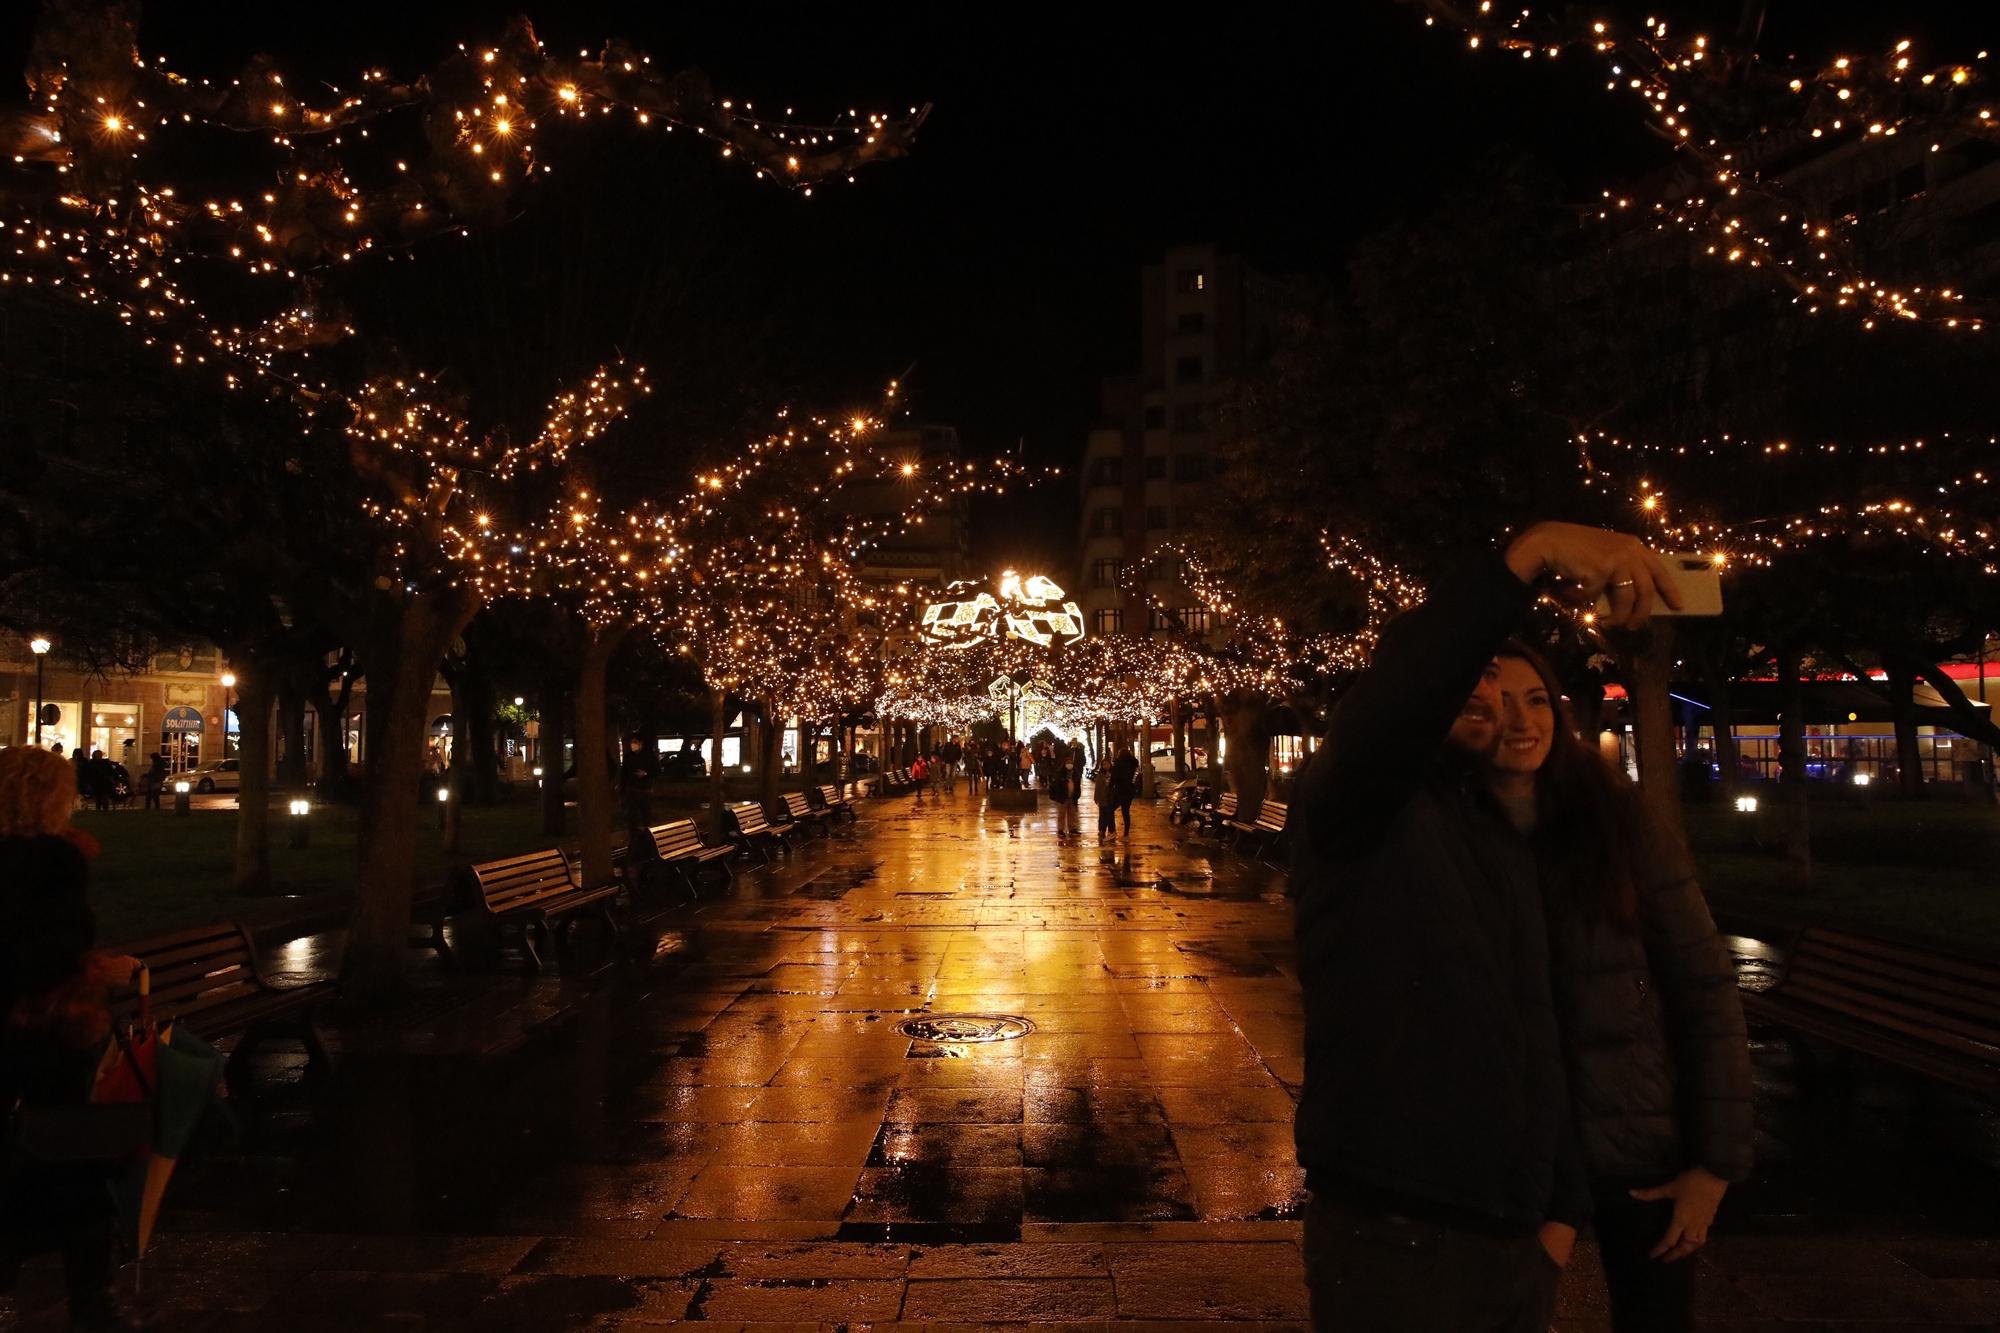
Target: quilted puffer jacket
{"x":1653,"y":1035}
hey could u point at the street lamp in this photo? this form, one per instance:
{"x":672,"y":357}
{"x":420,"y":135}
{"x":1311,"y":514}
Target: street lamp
{"x":229,"y":683}
{"x":39,"y":645}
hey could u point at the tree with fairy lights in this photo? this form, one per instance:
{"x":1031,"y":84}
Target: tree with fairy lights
{"x":231,"y":223}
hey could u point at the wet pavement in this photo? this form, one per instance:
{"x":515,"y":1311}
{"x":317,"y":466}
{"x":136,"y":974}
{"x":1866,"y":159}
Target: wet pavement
{"x":745,"y":1136}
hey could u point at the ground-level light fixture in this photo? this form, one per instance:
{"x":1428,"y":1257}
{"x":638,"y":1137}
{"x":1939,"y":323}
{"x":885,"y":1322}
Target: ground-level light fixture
{"x":181,"y":790}
{"x":301,"y":827}
{"x":1861,"y":779}
{"x":520,"y":701}
{"x":1746,"y":805}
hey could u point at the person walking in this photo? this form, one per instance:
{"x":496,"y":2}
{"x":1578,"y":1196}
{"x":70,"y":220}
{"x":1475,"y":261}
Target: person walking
{"x":102,"y":778}
{"x":1124,"y":784}
{"x":1026,"y":754}
{"x":55,"y":1024}
{"x":154,"y":780}
{"x":1058,"y":789}
{"x":1646,"y":1001}
{"x":1445,"y":1174}
{"x":951,"y":753}
{"x":1101,"y":795}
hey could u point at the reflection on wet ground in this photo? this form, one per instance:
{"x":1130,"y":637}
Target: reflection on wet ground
{"x":748,"y":1137}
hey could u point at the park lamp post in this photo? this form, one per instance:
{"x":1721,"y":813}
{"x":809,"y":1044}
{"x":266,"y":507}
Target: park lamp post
{"x":444,"y":805}
{"x":228,"y":684}
{"x":301,"y":825}
{"x":39,"y":646}
{"x":181,"y":789}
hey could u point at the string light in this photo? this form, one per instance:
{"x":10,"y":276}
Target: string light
{"x":1739,"y":195}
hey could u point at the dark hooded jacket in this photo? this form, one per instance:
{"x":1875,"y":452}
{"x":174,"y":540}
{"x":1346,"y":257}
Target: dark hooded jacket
{"x":1434,"y":1079}
{"x":1653,"y":1031}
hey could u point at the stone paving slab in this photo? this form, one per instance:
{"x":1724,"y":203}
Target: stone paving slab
{"x":749,"y":1143}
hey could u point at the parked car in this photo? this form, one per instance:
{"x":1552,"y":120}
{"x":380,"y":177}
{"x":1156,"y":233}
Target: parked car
{"x":217,"y":775}
{"x":681,"y":765}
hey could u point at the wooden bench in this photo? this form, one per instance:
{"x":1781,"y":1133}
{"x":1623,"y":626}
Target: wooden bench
{"x":536,"y":897}
{"x":799,"y":812}
{"x":677,"y":847}
{"x":1221,"y":815}
{"x":754,"y":833}
{"x":1934,"y":1013}
{"x":208,"y":978}
{"x":1265,"y":832}
{"x":829,"y":799}
{"x":896,"y":780}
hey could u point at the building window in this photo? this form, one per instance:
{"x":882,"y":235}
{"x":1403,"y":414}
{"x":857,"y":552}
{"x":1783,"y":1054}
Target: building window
{"x":1110,"y":620}
{"x":1156,"y":417}
{"x":1105,"y":472}
{"x":1156,"y":516}
{"x":1190,"y":467}
{"x":1190,"y":418}
{"x":1107,"y":522}
{"x":1193,"y":321}
{"x":1106,"y":573}
{"x":1187,"y":370}
{"x":1156,"y":467}
{"x":1190,"y":280}
{"x":1197,"y":619}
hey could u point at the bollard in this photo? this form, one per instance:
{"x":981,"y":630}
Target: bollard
{"x":301,"y":827}
{"x":181,"y":805}
{"x":444,"y":806}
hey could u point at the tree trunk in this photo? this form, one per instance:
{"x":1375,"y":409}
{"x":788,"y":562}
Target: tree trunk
{"x":555,"y":709}
{"x":596,"y":795}
{"x":292,"y":772}
{"x":1722,"y":724}
{"x":770,"y":748}
{"x":1648,"y":669}
{"x":718,"y":727}
{"x":336,"y":777}
{"x":1180,"y":742}
{"x":1903,"y":707}
{"x":454,"y":777}
{"x":256,"y":684}
{"x":482,"y":753}
{"x":1246,"y":723}
{"x":402,"y":667}
{"x":1795,"y":800}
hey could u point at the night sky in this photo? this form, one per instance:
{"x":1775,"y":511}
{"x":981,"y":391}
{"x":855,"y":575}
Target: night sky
{"x":1001,"y":259}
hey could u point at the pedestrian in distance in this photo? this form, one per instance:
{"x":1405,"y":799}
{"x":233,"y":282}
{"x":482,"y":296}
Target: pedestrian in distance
{"x":1058,"y":789}
{"x":1124,"y":783}
{"x":951,"y":753}
{"x":154,"y":780}
{"x":1446,"y":1175}
{"x":1101,"y":794}
{"x":919,"y":775}
{"x":102,"y":777}
{"x":1645,"y":993}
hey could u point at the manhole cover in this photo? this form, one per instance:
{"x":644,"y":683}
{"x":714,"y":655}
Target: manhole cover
{"x":965,"y":1027}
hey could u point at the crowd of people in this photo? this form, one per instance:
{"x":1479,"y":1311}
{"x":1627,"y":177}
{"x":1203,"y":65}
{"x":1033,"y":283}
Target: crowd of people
{"x":1058,"y":769}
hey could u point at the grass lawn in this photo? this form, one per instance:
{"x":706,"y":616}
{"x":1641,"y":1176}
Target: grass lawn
{"x":1928,"y":869}
{"x":160,"y":871}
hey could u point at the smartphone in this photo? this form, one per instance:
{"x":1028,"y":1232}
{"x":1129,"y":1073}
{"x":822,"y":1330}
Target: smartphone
{"x":1696,"y":578}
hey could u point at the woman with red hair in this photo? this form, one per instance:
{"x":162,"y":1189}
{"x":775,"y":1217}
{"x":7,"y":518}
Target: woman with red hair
{"x":55,"y":1019}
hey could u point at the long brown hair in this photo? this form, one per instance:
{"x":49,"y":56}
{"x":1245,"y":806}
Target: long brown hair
{"x":1588,"y":831}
